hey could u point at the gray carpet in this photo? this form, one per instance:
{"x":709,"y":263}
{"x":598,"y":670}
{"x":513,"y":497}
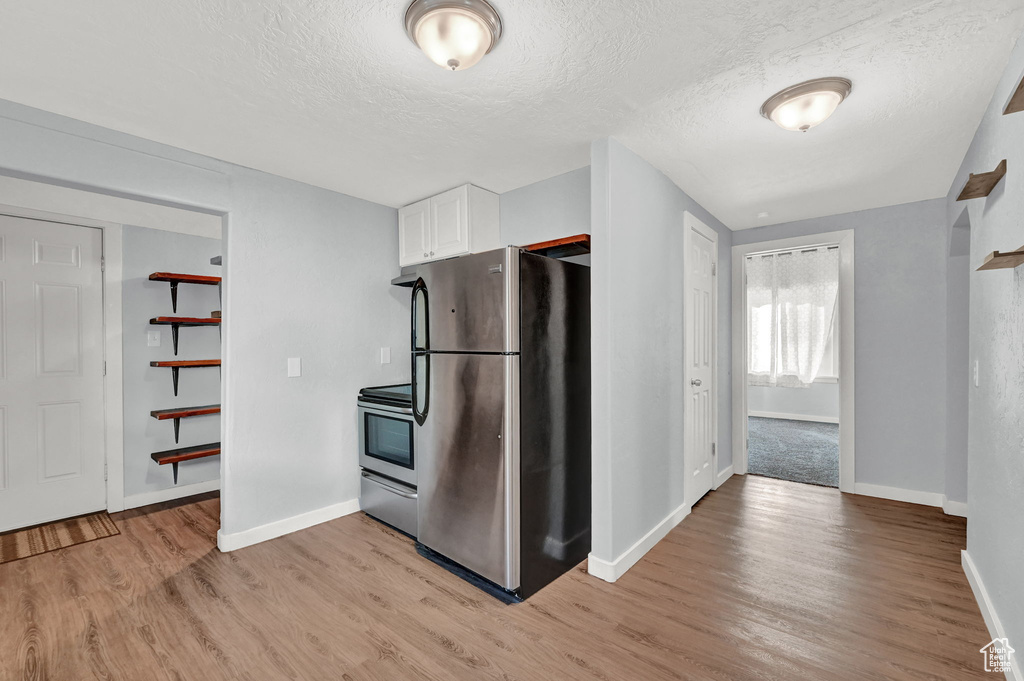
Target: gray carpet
{"x":801,"y":451}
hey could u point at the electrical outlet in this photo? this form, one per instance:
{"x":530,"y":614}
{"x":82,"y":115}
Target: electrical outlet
{"x":294,"y":367}
{"x":385,"y":355}
{"x":153,"y":339}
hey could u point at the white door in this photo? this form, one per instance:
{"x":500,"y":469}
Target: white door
{"x":449,"y":223}
{"x":700,"y":321}
{"x":51,"y":372}
{"x":414,"y":233}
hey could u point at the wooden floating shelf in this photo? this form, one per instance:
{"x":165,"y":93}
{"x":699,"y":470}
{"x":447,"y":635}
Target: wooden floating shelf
{"x":1001,"y":261}
{"x":185,"y":364}
{"x":177,"y":322}
{"x":176,"y":456}
{"x":174,"y":279}
{"x":982,"y":184}
{"x":1016,"y":102}
{"x":562,"y":248}
{"x":183,"y":413}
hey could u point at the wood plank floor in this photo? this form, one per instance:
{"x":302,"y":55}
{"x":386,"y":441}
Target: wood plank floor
{"x":765,"y":580}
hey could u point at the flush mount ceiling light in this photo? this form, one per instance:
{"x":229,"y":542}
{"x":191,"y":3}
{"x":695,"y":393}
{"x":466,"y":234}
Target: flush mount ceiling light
{"x":455,"y":34}
{"x":805,"y":105}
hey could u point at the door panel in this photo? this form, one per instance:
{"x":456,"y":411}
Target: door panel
{"x":462,"y":485}
{"x":700,"y":333}
{"x":466,"y":303}
{"x":51,"y":372}
{"x":449,"y":223}
{"x":414,"y":233}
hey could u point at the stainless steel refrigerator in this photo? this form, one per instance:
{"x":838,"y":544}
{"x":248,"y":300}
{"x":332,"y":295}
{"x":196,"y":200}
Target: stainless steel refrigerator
{"x":501,"y":396}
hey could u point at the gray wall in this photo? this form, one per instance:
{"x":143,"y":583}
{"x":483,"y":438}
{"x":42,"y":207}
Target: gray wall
{"x":995,"y":492}
{"x":816,"y":400}
{"x":145,"y":251}
{"x":637,"y":307}
{"x":306,"y":274}
{"x":549,"y":209}
{"x":900,"y":313}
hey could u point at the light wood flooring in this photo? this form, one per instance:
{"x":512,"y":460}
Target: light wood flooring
{"x":764,"y":580}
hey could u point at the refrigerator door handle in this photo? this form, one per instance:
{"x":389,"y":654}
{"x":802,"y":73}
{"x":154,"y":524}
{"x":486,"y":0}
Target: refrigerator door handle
{"x":417,"y":413}
{"x":420,"y":317}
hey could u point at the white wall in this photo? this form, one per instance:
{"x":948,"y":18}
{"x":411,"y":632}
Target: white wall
{"x":146,"y":388}
{"x":306,"y":275}
{"x":900,"y":303}
{"x":995,"y":483}
{"x":817,"y":402}
{"x":637,"y":345}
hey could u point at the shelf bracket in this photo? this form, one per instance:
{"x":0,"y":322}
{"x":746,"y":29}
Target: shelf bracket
{"x":174,"y":337}
{"x":174,"y":471}
{"x":177,"y":427}
{"x":174,"y":379}
{"x":174,"y":296}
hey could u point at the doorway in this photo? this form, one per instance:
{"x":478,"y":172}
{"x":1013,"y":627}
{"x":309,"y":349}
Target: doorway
{"x":793,"y":353}
{"x":52,"y":453}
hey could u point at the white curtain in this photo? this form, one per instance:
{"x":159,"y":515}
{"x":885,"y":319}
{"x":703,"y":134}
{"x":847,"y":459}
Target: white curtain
{"x":791,"y":299}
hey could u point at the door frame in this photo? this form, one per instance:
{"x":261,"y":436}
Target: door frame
{"x":691,"y":222}
{"x":847,"y":410}
{"x":113,"y":391}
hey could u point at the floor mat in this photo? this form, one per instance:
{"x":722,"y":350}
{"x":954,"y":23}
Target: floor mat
{"x":57,"y":535}
{"x":801,"y":451}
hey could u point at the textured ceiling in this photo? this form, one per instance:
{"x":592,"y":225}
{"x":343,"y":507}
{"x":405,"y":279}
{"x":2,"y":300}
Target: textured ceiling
{"x":334,"y":94}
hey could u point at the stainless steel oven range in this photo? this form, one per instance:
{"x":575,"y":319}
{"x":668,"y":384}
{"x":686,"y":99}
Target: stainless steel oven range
{"x":387,"y":456}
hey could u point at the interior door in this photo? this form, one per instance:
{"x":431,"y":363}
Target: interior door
{"x":700,"y":274}
{"x":414,"y":233}
{"x":51,"y":372}
{"x":449,"y":221}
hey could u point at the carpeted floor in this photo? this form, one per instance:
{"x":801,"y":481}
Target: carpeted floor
{"x":801,"y":451}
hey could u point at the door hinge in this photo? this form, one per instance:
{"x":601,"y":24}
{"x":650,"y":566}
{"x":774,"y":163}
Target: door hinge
{"x":104,"y":470}
{"x":714,"y":268}
{"x":104,"y":368}
{"x":712,"y":449}
{"x":103,"y":264}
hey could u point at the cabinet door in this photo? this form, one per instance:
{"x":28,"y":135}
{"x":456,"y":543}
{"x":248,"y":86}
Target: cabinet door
{"x":414,"y":233}
{"x":449,"y":223}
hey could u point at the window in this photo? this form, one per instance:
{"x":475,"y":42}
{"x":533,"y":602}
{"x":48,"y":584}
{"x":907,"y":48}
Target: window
{"x":791,"y":305}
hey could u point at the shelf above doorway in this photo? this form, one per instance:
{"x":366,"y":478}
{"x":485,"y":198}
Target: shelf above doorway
{"x":565,"y":247}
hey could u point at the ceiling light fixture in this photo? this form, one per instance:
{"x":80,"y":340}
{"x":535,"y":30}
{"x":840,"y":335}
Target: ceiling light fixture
{"x":805,"y":105}
{"x":455,"y":34}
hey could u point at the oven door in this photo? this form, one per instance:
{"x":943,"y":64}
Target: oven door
{"x":386,"y":442}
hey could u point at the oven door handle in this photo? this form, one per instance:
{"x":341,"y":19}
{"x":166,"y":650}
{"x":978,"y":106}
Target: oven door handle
{"x":394,"y":490}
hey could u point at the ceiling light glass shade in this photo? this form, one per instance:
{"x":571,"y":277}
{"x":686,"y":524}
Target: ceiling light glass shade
{"x":455,"y":34}
{"x":805,"y":105}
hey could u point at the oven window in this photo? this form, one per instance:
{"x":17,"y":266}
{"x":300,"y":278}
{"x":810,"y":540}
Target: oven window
{"x":389,"y":439}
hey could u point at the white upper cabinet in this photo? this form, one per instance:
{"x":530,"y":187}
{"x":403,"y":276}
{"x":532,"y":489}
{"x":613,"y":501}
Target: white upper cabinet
{"x":414,"y":233}
{"x":458,"y":221}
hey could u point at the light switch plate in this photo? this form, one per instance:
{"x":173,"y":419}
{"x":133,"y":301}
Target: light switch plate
{"x":153,"y":339}
{"x":294,"y":367}
{"x":385,"y":355}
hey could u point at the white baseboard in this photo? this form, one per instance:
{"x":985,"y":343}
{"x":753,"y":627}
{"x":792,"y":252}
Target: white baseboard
{"x":958,"y":508}
{"x":794,"y":417}
{"x":611,"y":571}
{"x":170,"y":494}
{"x":988,"y":611}
{"x":912,"y":496}
{"x":723,"y":476}
{"x":238,"y":540}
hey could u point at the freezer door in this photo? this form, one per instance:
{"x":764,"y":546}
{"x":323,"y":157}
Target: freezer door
{"x":469,"y":465}
{"x":472,"y":304}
